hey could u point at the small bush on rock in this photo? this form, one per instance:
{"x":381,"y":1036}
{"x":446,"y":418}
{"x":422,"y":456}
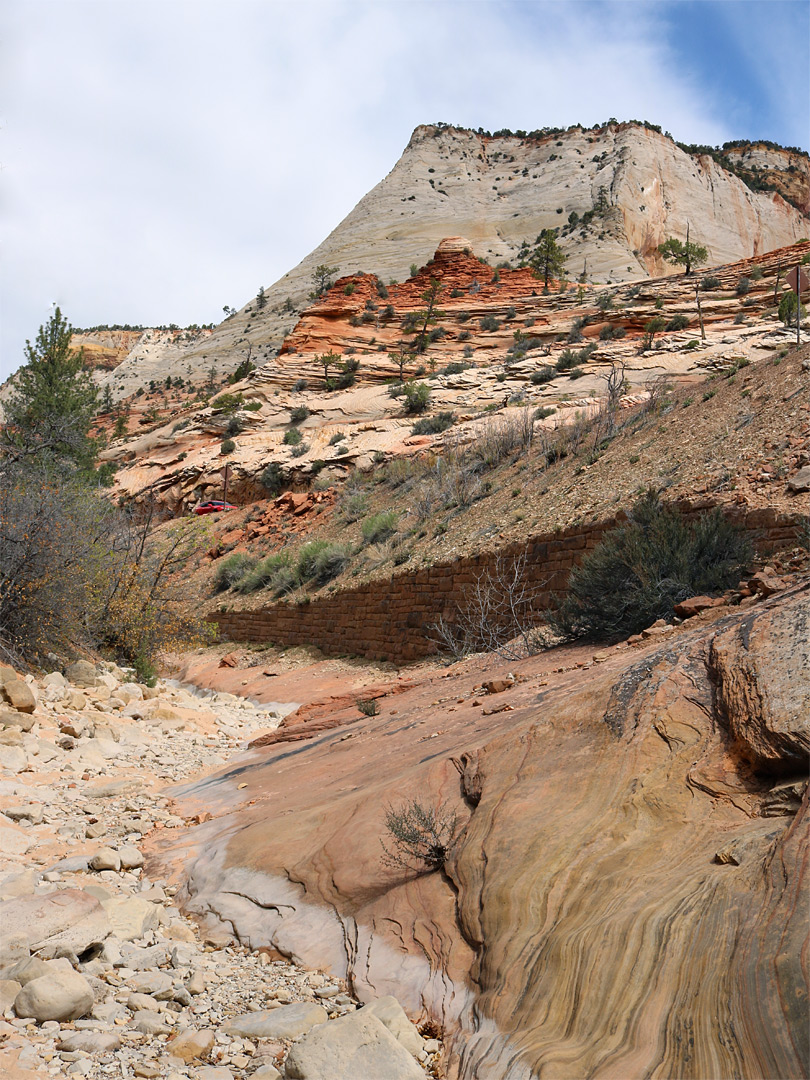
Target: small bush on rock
{"x":230,"y":570}
{"x":420,"y":836}
{"x":417,"y":397}
{"x":272,"y":479}
{"x":433,"y":425}
{"x":321,"y":561}
{"x":379,"y":527}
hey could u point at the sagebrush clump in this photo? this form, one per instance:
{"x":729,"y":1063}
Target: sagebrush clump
{"x":642,"y":569}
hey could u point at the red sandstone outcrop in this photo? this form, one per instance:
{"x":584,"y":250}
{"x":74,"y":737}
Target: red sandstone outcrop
{"x":619,"y":902}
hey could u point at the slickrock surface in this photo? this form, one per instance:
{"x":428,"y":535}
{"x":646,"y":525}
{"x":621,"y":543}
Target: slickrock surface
{"x":625,"y":896}
{"x":101,"y":975}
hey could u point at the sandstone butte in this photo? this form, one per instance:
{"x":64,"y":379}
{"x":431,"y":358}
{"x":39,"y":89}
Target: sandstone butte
{"x":628,"y":893}
{"x":499,"y":191}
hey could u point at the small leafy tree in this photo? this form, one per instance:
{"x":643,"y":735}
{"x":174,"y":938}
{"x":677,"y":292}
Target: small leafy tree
{"x":653,"y":327}
{"x":403,"y":356}
{"x":327,"y":360}
{"x":322,"y":279}
{"x":547,"y":260}
{"x":787,"y":308}
{"x":421,"y":320}
{"x":272,"y":478}
{"x":417,"y":397}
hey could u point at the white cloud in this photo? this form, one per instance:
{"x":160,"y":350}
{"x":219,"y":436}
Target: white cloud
{"x":161,"y":159}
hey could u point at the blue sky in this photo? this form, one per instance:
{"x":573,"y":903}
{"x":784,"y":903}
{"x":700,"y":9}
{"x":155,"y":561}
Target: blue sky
{"x":161,"y":158}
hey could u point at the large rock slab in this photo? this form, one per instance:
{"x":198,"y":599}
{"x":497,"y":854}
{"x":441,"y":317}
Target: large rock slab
{"x":69,"y":920}
{"x":350,"y":1047}
{"x":130,"y":917}
{"x":82,"y":674}
{"x":20,"y":695}
{"x":390,"y":1013}
{"x":61,"y":995}
{"x":762,"y":668}
{"x":13,"y":718}
{"x":286,"y":1022}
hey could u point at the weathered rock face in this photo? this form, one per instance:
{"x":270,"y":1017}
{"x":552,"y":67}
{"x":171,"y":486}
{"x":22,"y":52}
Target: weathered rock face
{"x":499,"y":191}
{"x":494,"y":330}
{"x":619,"y":902}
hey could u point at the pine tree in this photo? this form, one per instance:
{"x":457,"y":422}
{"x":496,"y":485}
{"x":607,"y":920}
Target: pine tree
{"x":51,"y":407}
{"x":686,"y":255}
{"x":547,"y":260}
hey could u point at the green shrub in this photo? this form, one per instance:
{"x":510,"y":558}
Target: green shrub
{"x":230,"y":570}
{"x":677,"y":322}
{"x":743,"y":286}
{"x":787,"y":308}
{"x":300,"y":449}
{"x":228,"y":403}
{"x":433,"y":425}
{"x":299,"y":413}
{"x":379,"y":527}
{"x":489,"y":322}
{"x":272,"y":479}
{"x":293,"y":437}
{"x":267,"y":573}
{"x":544,"y":411}
{"x":710,"y":282}
{"x":610,"y":332}
{"x":642,"y":569}
{"x":321,"y":561}
{"x":455,"y":367}
{"x":368,"y":706}
{"x":227,"y":447}
{"x":571,"y":358}
{"x":417,"y":397}
{"x":542,"y":375}
{"x":299,"y":385}
{"x":353,"y":506}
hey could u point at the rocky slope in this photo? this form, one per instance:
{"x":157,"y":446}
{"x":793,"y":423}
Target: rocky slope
{"x":495,"y":334}
{"x":623,"y":898}
{"x":100,"y":973}
{"x":632,"y":186}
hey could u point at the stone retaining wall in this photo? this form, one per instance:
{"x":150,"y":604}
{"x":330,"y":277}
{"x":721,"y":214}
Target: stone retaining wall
{"x":391,"y":619}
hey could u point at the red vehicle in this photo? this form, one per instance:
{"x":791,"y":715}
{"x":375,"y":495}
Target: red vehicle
{"x":213,"y":506}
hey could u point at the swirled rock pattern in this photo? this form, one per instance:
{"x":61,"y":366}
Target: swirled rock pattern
{"x":618,"y":903}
